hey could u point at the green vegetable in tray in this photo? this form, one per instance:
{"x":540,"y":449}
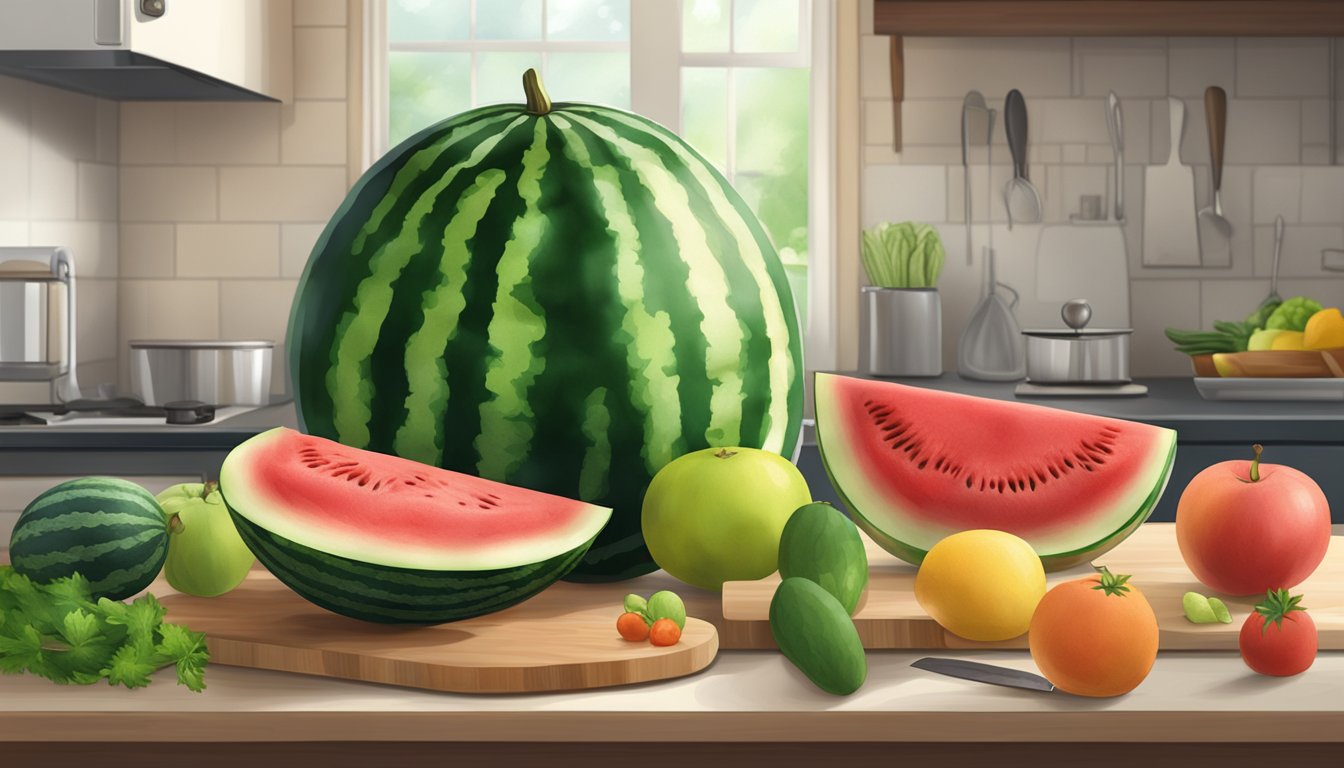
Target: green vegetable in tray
{"x":1260,"y":316}
{"x":1293,"y":314}
{"x":57,"y":631}
{"x":1226,"y":337}
{"x":903,"y":255}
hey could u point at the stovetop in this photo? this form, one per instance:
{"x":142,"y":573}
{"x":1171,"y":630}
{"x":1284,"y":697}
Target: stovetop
{"x":117,"y":416}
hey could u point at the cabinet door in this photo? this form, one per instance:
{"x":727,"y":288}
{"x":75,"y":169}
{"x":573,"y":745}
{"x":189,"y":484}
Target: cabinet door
{"x":16,"y":492}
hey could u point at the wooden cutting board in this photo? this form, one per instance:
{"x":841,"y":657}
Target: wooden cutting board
{"x":563,"y":639}
{"x":889,"y":617}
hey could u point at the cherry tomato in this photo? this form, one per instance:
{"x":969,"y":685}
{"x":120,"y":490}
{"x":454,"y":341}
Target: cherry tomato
{"x":633,"y":627}
{"x":1279,"y":638}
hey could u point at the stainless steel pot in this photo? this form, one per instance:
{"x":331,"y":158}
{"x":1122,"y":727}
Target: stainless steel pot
{"x":213,"y":372}
{"x":1078,"y":355}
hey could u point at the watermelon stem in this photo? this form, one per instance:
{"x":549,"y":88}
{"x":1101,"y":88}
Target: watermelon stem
{"x":1255,"y":463}
{"x":538,"y":103}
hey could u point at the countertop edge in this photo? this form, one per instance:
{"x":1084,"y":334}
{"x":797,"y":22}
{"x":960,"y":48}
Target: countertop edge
{"x":1157,"y":726}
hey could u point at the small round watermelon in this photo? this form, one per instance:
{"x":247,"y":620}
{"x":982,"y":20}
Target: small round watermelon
{"x":563,"y":297}
{"x":110,"y":531}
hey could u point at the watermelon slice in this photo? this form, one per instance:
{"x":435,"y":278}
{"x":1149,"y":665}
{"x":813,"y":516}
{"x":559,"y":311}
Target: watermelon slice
{"x":915,"y":465}
{"x":386,"y":539}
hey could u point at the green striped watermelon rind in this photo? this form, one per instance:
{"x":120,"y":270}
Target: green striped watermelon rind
{"x":771,"y":406}
{"x":1052,"y":561}
{"x":391,"y":595}
{"x":1055,"y":561}
{"x":87,"y":541}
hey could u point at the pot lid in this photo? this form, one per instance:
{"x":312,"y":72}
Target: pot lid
{"x":1068,"y":333}
{"x":207,"y":344}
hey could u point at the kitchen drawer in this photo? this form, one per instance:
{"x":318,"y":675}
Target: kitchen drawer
{"x":16,"y":492}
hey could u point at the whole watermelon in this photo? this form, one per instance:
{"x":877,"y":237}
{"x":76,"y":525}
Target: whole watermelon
{"x":563,"y":297}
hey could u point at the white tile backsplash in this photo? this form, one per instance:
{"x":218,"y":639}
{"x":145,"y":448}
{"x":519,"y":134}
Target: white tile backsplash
{"x":1282,"y":67}
{"x":1277,"y":162}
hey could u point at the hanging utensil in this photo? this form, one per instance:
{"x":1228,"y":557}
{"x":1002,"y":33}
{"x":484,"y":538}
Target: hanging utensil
{"x":1215,"y":231}
{"x":1274,"y":265}
{"x":1170,"y":234}
{"x":1019,"y":196}
{"x":991,"y":347}
{"x":1115,"y":126}
{"x":976,"y":122}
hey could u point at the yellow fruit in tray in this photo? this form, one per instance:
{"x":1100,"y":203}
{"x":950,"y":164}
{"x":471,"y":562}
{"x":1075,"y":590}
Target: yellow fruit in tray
{"x":981,"y":584}
{"x":1226,"y":368}
{"x":1288,"y":340}
{"x":1263,"y":339}
{"x":1325,"y":330}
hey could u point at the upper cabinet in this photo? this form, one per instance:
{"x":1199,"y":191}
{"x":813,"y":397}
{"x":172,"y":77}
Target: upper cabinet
{"x":152,"y":50}
{"x":1076,"y":18}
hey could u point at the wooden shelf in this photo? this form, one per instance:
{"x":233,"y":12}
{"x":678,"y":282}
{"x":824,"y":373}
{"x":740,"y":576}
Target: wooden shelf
{"x":1123,"y":18}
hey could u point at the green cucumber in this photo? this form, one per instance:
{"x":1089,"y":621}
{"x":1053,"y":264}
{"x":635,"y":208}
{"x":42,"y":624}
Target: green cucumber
{"x":814,"y":631}
{"x":821,"y":544}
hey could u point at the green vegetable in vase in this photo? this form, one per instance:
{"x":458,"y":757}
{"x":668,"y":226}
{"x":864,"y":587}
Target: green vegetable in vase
{"x":903,"y":255}
{"x":1260,"y":316}
{"x":1293,"y":314}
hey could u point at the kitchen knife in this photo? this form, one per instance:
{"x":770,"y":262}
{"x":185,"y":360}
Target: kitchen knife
{"x":984,"y":673}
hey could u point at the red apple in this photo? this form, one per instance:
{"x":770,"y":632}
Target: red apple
{"x":1245,"y":528}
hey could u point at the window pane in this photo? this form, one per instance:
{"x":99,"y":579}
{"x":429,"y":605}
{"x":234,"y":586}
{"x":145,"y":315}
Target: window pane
{"x":424,"y":88}
{"x":421,"y":20}
{"x":499,"y":76}
{"x":704,"y":112}
{"x":704,"y":25}
{"x":600,"y":78}
{"x":771,"y":154}
{"x":588,"y":19}
{"x":765,"y":26}
{"x":508,"y":19}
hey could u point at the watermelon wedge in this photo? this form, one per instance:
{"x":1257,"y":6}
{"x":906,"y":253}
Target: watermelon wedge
{"x":915,"y":465}
{"x":386,"y":539}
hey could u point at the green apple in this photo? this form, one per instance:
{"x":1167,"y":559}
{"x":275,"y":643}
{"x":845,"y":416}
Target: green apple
{"x":716,"y":515}
{"x":206,"y":556}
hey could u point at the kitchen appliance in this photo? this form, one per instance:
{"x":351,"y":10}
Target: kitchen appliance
{"x":889,"y":617}
{"x":1086,"y":361}
{"x":263,"y":624}
{"x":37,"y":324}
{"x":1170,"y":234}
{"x":990,"y":348}
{"x":1215,"y":231}
{"x":214,"y":372}
{"x":1019,"y":196}
{"x":984,"y":673}
{"x":216,"y":50}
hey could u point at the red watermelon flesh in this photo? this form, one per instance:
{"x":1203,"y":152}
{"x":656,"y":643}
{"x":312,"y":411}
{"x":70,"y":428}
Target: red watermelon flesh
{"x":386,"y":510}
{"x":915,"y":465}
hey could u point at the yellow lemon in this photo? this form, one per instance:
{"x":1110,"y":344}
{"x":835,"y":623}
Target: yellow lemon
{"x":1325,"y":330}
{"x":981,"y":584}
{"x":1288,"y":340}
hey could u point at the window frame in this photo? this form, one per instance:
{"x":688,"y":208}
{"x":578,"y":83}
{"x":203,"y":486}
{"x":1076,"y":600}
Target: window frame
{"x":656,"y":64}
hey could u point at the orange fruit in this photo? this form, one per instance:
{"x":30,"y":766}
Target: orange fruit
{"x":1095,"y":636}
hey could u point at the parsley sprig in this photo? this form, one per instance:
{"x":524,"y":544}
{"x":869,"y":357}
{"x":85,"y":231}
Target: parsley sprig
{"x":58,"y":631}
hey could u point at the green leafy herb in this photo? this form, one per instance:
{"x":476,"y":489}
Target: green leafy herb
{"x":903,"y":255}
{"x":57,"y":631}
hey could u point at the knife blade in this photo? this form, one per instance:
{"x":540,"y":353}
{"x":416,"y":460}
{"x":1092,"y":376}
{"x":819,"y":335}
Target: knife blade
{"x":984,"y":673}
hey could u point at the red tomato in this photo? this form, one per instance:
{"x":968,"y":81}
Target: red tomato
{"x":1279,"y":638}
{"x":1245,"y":528}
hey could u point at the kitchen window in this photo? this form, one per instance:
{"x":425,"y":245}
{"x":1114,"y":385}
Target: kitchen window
{"x":747,"y":82}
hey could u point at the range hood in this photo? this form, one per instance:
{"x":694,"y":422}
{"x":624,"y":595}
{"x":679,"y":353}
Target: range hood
{"x":152,"y":50}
